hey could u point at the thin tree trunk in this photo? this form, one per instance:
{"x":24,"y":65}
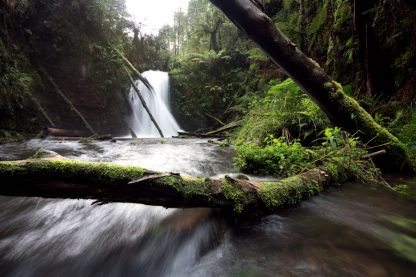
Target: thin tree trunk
{"x":341,"y":109}
{"x":41,"y":109}
{"x":302,"y":25}
{"x":144,"y":103}
{"x":136,"y":72}
{"x":66,"y":99}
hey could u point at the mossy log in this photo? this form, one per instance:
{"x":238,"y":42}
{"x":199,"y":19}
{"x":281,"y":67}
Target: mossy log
{"x":55,"y":177}
{"x":341,"y":109}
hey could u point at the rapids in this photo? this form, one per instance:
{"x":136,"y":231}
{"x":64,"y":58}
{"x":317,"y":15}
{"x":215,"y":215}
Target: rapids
{"x":352,"y":230}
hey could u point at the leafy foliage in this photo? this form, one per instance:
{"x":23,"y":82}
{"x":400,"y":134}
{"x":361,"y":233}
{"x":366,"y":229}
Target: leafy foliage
{"x":279,"y":157}
{"x":284,"y":111}
{"x":404,"y":127}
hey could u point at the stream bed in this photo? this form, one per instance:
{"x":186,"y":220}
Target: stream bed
{"x":352,"y":230}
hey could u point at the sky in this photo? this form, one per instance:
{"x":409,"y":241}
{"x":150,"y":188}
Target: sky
{"x":153,"y":14}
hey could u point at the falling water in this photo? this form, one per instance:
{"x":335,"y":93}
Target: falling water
{"x":158,"y":103}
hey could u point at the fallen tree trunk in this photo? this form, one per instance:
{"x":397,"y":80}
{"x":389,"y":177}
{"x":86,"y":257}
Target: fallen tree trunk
{"x":341,"y":109}
{"x":57,"y":132}
{"x":196,"y":135}
{"x":226,"y":127}
{"x":55,"y":177}
{"x":75,"y":134}
{"x":213,"y":134}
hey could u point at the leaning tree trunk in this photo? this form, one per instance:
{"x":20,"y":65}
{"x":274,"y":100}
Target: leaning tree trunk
{"x":144,"y":104}
{"x":341,"y":109}
{"x":67,"y":100}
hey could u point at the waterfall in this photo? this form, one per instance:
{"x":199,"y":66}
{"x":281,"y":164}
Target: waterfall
{"x":158,"y":103}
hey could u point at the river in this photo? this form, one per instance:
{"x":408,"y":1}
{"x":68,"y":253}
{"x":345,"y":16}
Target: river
{"x":352,"y":230}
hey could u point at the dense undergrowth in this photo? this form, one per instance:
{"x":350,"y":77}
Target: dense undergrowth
{"x":285,"y":133}
{"x":284,"y":111}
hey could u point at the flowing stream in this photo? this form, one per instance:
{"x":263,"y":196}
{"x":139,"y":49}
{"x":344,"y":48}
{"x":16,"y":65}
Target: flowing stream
{"x":353,"y":230}
{"x":158,"y":103}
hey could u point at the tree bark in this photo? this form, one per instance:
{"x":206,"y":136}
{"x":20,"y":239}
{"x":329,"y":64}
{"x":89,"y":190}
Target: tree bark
{"x":41,"y":109}
{"x":50,"y":176}
{"x":302,"y":25}
{"x":136,"y":72}
{"x":341,"y":109}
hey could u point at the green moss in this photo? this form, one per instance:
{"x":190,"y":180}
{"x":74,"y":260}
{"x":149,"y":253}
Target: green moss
{"x":397,"y":153}
{"x":289,"y":191}
{"x":239,"y":198}
{"x":42,"y":153}
{"x":71,"y":170}
{"x":403,"y":190}
{"x":189,"y":187}
{"x":338,"y":174}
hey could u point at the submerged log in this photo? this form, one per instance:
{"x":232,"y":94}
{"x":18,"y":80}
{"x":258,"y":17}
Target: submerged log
{"x":51,"y":176}
{"x":341,"y":109}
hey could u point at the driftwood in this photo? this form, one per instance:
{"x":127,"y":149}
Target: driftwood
{"x":49,"y":175}
{"x":144,"y":103}
{"x":341,"y":109}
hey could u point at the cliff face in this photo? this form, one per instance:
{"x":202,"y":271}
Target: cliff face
{"x":66,"y":46}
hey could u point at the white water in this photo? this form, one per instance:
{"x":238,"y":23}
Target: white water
{"x":158,"y":103}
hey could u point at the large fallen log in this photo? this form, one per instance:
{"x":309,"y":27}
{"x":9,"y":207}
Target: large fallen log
{"x":55,"y":177}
